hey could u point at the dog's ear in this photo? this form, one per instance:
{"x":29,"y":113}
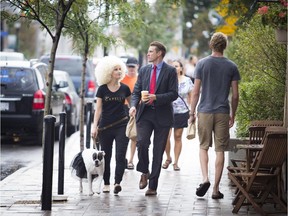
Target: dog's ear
{"x":94,"y":156}
{"x":101,"y":155}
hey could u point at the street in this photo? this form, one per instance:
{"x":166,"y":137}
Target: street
{"x":16,"y":156}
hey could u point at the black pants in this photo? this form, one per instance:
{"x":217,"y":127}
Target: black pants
{"x":146,"y":125}
{"x":106,"y":138}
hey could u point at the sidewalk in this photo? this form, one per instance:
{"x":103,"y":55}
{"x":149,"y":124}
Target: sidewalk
{"x":20,"y":192}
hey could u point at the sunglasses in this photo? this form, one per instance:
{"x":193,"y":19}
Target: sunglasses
{"x":131,"y":66}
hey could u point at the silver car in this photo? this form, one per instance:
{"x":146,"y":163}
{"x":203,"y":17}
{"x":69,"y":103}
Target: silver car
{"x":73,"y":102}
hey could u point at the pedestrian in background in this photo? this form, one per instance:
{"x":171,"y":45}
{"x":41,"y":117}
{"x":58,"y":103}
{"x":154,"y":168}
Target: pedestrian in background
{"x":154,"y":113}
{"x":181,"y":115}
{"x":215,"y":75}
{"x":190,"y":67}
{"x":110,"y":118}
{"x":130,"y":80}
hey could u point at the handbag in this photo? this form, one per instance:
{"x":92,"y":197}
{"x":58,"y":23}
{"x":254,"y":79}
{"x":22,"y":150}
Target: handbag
{"x":131,"y":131}
{"x":191,"y":131}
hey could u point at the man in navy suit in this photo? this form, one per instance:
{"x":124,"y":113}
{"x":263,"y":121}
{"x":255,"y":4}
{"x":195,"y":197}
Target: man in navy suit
{"x":154,"y":114}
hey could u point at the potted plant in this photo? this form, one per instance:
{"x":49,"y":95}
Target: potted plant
{"x":275,"y":15}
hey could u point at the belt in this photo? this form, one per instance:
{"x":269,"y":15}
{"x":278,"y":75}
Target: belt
{"x":112,"y":124}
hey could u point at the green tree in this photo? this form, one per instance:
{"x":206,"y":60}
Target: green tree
{"x":262,"y":65}
{"x":196,"y":25}
{"x":155,"y":26}
{"x":51,"y":16}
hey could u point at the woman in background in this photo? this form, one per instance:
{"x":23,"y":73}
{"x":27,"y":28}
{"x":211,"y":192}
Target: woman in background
{"x":181,"y":115}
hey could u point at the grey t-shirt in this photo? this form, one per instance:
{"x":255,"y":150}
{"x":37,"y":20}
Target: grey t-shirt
{"x":216,"y":75}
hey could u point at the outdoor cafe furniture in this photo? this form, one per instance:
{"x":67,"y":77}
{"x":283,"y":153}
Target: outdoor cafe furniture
{"x":256,"y":182}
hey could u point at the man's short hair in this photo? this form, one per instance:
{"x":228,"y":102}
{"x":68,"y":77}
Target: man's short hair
{"x":218,"y":42}
{"x":159,"y":47}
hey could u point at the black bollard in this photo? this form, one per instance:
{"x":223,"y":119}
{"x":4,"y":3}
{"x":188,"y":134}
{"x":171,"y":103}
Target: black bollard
{"x":88,"y":123}
{"x":49,"y":135}
{"x":61,"y":161}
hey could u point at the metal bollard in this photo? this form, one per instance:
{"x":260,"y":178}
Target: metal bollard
{"x":46,"y":197}
{"x":88,"y":123}
{"x":61,"y":161}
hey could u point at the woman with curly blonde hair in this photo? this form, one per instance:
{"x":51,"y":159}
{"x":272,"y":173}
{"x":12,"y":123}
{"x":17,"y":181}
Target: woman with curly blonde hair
{"x":110,"y":119}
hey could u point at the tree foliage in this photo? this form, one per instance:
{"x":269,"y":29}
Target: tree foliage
{"x":262,"y":65}
{"x":155,"y":25}
{"x":51,"y":16}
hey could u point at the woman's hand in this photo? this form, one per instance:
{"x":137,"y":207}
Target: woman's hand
{"x":94,"y":132}
{"x":132,"y":111}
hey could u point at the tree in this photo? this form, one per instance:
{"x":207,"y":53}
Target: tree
{"x":51,"y":16}
{"x":196,"y":25}
{"x":155,"y":26}
{"x":262,"y":64}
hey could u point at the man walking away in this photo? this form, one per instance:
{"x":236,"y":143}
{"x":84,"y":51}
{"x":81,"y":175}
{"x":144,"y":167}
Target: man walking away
{"x":215,"y":75}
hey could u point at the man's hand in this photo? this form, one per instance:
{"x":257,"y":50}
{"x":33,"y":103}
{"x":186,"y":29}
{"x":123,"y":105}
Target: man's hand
{"x":192,"y":118}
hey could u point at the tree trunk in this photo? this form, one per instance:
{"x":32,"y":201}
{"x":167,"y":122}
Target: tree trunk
{"x":82,"y":96}
{"x":50,"y":73}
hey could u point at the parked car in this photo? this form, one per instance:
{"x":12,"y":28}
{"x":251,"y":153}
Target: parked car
{"x":73,"y":102}
{"x":22,"y":100}
{"x":74,"y":66}
{"x":12,"y":56}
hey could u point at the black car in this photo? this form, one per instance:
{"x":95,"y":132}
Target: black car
{"x":22,"y":100}
{"x":73,"y":65}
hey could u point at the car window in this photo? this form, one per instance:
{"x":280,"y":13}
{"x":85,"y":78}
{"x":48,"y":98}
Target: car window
{"x":65,"y":77}
{"x":17,"y":79}
{"x":71,"y":65}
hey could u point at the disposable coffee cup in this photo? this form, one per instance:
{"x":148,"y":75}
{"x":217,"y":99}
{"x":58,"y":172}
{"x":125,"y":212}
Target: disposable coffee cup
{"x":144,"y":95}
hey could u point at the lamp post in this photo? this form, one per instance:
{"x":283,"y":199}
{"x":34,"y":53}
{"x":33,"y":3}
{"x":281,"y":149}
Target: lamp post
{"x":17,"y":26}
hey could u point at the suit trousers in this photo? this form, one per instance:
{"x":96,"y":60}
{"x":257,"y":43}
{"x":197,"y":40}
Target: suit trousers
{"x":146,"y":125}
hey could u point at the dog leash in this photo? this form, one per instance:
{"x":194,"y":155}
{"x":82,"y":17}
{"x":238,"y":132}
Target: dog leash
{"x":96,"y":140}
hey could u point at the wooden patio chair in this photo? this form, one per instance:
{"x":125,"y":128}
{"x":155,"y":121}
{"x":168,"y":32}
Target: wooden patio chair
{"x":256,"y":134}
{"x":256,"y":186}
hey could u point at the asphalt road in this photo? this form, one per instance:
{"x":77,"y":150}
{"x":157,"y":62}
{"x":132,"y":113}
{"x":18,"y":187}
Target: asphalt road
{"x":16,"y":156}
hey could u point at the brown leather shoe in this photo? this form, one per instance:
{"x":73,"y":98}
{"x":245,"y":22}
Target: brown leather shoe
{"x":143,"y":181}
{"x":151,"y":192}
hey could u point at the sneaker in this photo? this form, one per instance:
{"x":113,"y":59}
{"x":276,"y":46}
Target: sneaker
{"x":106,"y":189}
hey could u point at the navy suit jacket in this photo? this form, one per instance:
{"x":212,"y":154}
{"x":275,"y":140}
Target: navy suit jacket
{"x":166,"y":92}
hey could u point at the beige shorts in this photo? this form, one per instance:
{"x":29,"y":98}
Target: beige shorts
{"x":217,"y":123}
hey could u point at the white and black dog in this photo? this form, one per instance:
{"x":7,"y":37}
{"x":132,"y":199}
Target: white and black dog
{"x":89,"y":164}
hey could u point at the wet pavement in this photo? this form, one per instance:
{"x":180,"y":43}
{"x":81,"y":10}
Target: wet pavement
{"x":21,"y":191}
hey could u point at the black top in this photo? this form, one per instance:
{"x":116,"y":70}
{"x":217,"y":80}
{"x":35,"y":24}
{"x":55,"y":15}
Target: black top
{"x":112,"y":104}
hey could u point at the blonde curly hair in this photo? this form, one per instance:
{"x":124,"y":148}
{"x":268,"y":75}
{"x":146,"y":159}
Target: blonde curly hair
{"x":105,"y":67}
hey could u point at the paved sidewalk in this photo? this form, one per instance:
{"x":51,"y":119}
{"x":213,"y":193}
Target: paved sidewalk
{"x":20,"y":192}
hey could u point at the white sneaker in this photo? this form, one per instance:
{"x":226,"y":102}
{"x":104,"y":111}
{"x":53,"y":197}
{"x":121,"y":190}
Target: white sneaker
{"x":106,"y":189}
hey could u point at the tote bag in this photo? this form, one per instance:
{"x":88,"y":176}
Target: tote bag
{"x":131,"y":132}
{"x":191,"y":131}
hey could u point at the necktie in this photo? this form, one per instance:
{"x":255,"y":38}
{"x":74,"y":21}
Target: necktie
{"x":153,"y":81}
